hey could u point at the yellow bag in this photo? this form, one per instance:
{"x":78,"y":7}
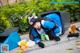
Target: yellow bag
{"x":23,"y":45}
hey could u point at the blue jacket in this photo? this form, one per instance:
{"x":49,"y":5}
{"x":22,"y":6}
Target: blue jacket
{"x":51,"y":21}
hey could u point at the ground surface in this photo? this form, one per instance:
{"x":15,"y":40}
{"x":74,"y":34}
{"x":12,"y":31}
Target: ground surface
{"x":64,"y":46}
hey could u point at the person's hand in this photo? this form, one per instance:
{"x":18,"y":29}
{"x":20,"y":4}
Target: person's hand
{"x":31,"y":23}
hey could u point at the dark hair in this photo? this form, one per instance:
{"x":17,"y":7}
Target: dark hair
{"x":36,"y":20}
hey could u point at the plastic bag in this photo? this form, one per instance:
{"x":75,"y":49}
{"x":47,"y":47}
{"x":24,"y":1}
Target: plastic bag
{"x":31,"y":43}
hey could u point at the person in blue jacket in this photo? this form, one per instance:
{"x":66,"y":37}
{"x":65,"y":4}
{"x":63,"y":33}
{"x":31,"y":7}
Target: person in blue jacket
{"x":49,"y":28}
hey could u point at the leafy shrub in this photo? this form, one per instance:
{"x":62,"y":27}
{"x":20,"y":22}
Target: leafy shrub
{"x":15,"y":15}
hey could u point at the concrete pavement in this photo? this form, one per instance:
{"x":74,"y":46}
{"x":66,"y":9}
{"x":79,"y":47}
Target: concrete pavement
{"x":64,"y":46}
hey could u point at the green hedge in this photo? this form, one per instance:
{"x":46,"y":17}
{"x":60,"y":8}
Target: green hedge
{"x":10,"y":15}
{"x":14,"y":13}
